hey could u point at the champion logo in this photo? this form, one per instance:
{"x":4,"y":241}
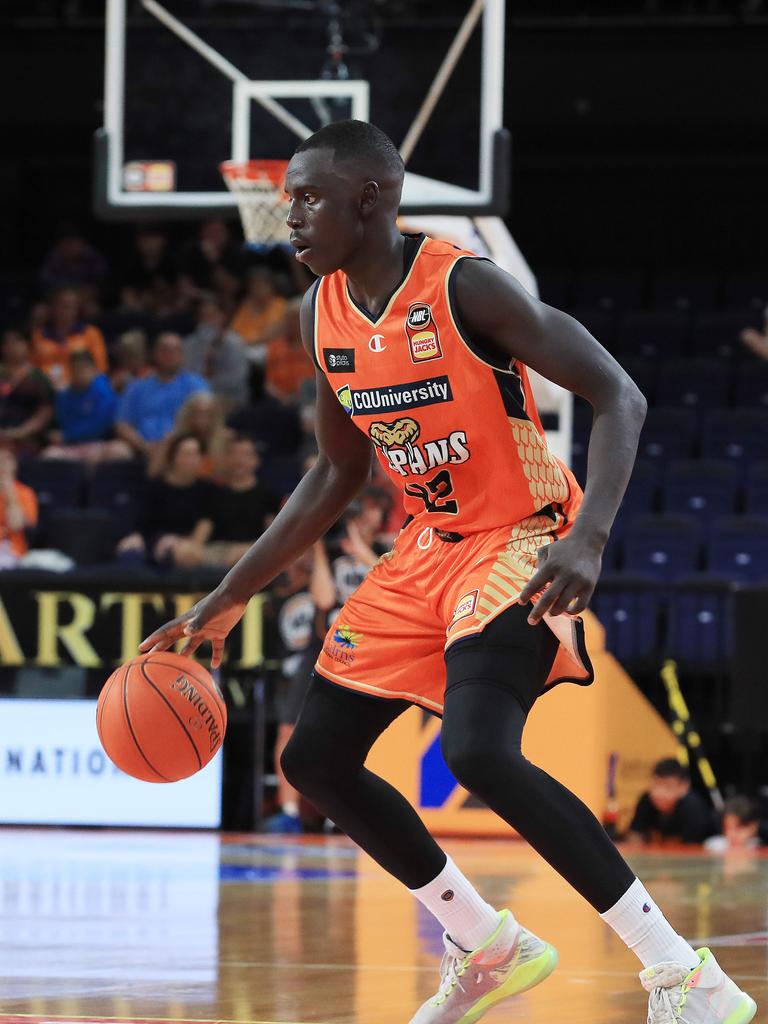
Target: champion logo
{"x":646,"y":908}
{"x":447,"y":895}
{"x":376,"y":344}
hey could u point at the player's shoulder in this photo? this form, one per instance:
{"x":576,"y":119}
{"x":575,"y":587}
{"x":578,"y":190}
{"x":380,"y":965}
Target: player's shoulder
{"x":444,"y":249}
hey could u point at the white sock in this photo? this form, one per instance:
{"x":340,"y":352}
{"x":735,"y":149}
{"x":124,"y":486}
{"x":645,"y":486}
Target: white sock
{"x":643,"y":928}
{"x":459,"y":907}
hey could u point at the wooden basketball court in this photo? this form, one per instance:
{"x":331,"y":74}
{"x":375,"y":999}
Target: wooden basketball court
{"x":109,"y":925}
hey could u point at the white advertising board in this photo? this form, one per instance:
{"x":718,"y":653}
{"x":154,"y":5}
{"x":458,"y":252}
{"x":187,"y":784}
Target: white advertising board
{"x":53,"y":771}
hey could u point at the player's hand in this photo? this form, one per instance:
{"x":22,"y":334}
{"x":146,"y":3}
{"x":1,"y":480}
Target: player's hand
{"x":569,"y":569}
{"x":210,"y":619}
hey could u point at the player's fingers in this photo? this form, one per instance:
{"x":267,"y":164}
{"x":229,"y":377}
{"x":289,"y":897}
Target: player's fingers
{"x":218,"y":653}
{"x":579,"y":603}
{"x":567,"y":596}
{"x":191,"y":646}
{"x":162,"y":638}
{"x":536,"y":583}
{"x":544,"y":603}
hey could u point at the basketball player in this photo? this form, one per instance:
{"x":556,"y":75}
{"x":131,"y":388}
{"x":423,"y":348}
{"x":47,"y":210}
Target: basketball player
{"x":421,"y":351}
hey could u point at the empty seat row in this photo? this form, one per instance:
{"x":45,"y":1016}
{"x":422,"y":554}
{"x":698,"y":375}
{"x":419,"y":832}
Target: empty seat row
{"x":669,"y":547}
{"x":699,"y":383}
{"x":739,"y":436}
{"x":688,"y":620}
{"x":670,"y":289}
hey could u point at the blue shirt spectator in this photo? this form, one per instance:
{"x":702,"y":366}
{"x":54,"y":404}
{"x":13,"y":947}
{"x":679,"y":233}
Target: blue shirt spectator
{"x":148,"y":406}
{"x":85,"y":411}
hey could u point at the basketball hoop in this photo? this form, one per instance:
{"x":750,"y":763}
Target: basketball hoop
{"x":258,"y":186}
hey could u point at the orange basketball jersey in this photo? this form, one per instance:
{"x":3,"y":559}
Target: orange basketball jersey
{"x":460,"y":436}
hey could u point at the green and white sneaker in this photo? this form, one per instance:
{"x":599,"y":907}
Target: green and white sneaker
{"x":511,"y":961}
{"x":705,"y":995}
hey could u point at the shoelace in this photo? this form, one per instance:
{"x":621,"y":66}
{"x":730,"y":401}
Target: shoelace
{"x":451,"y":971}
{"x":665,"y":1006}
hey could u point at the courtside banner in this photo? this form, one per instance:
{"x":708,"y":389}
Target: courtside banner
{"x":53,"y":771}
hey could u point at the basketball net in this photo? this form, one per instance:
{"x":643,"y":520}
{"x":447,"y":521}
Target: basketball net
{"x":258,"y":187}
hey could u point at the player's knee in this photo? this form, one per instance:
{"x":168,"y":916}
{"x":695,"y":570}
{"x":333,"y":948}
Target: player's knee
{"x":475,"y":766}
{"x":296,"y":762}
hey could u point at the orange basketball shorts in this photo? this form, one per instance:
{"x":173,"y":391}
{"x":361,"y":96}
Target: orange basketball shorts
{"x":428,"y":592}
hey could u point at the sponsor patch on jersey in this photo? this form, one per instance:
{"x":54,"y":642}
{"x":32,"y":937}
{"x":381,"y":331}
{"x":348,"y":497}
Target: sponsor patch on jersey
{"x":365,"y":401}
{"x":339,"y":360}
{"x":421,"y":331}
{"x":466,"y":606}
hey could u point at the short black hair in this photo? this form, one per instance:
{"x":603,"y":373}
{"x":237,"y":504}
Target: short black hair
{"x":743,"y":808}
{"x":359,"y":141}
{"x":670,"y":768}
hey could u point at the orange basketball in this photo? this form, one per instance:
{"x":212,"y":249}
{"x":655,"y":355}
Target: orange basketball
{"x":160,"y":717}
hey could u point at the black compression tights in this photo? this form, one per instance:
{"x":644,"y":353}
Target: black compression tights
{"x":482,"y":730}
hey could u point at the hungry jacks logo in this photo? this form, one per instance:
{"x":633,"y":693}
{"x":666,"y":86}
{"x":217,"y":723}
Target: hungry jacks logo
{"x":421,"y":331}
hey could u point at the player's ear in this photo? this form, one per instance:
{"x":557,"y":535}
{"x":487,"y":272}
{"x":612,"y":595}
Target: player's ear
{"x":369,"y":197}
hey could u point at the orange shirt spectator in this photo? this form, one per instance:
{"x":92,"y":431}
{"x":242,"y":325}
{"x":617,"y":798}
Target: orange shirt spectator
{"x":18,"y":507}
{"x":62,"y":334}
{"x":288,"y":364}
{"x":261,"y":309}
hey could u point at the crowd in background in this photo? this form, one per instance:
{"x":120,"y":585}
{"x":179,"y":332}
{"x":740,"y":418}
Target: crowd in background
{"x":184,"y":358}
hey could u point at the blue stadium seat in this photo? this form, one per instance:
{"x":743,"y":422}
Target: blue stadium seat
{"x":695,"y":383}
{"x":738,"y":548}
{"x":757,"y":489}
{"x":610,"y":289}
{"x":737,"y":434}
{"x":717,"y":333}
{"x":627,"y":606}
{"x":58,"y":483}
{"x":117,"y":487}
{"x":666,"y":547}
{"x":747,"y":289}
{"x":697,"y":621}
{"x":654,"y":332}
{"x":685,"y":289}
{"x":702,"y":488}
{"x":668,"y":434}
{"x":582,"y":426}
{"x":752,"y":387}
{"x":642,"y":489}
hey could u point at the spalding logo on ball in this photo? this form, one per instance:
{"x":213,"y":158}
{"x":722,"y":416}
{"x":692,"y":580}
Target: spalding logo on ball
{"x":160,"y":717}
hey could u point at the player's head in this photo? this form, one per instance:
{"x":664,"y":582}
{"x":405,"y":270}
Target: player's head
{"x":741,"y":821}
{"x":343,"y":181}
{"x":669,"y":784}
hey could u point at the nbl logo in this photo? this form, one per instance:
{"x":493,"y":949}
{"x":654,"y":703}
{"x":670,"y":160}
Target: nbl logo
{"x":421,"y":331}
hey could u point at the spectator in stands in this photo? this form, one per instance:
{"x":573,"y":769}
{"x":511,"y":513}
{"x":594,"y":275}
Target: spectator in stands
{"x":72,"y":262}
{"x":129,"y":360}
{"x":174,"y":513}
{"x":202,"y":417}
{"x":85,"y":416}
{"x":228,"y":286}
{"x":18,"y":512}
{"x":741,"y":826}
{"x":214,"y":245}
{"x":240,"y":508}
{"x":148,"y":406}
{"x":757,"y":341}
{"x":62,"y":333}
{"x":26,"y":395}
{"x":148,"y":261}
{"x":262,"y":309}
{"x":288,"y":364}
{"x":670,"y":810}
{"x":217,"y":353}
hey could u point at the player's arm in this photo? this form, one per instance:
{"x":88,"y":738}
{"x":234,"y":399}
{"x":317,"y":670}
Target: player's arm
{"x":341,"y":470}
{"x":499,"y":314}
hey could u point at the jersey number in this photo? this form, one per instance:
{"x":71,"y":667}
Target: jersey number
{"x":434,"y":491}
